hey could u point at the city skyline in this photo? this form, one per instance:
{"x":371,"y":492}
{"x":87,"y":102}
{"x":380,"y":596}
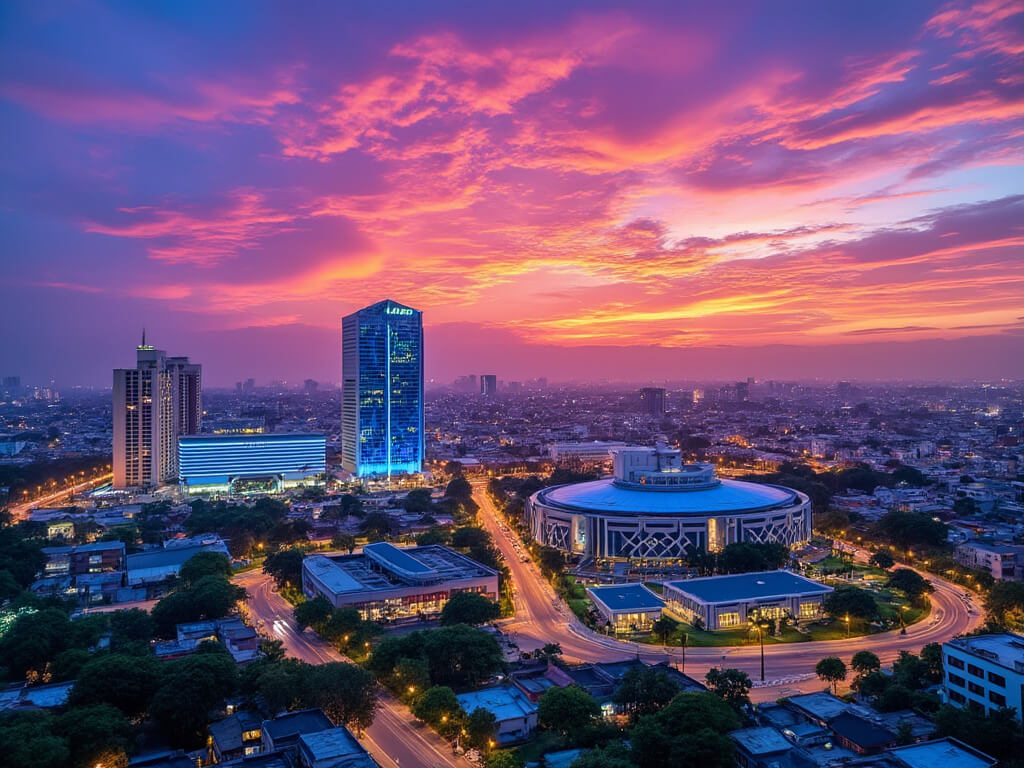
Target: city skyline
{"x":652,"y":189}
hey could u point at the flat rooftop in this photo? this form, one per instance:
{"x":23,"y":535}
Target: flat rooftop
{"x":389,"y":567}
{"x":761,"y":741}
{"x":1005,"y":649}
{"x":505,"y":702}
{"x":626,"y":597}
{"x":942,"y":753}
{"x":748,"y":586}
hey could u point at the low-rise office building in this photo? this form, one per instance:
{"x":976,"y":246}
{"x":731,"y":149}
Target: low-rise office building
{"x":722,"y":602}
{"x":385,"y":582}
{"x":627,"y":607}
{"x":250,"y":463}
{"x":984,"y":671}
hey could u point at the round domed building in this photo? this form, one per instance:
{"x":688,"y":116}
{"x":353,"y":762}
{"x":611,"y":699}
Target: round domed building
{"x":655,"y":507}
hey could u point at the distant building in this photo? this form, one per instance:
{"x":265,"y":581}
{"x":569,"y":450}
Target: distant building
{"x":240,"y":640}
{"x":721,"y":602}
{"x":1004,"y":561}
{"x":984,"y":671}
{"x":488,"y":385}
{"x":154,"y":568}
{"x":309,"y":386}
{"x":515,"y":715}
{"x":652,"y":401}
{"x":154,"y":403}
{"x":334,"y":748}
{"x":237,"y":735}
{"x":382,"y":390}
{"x":593,"y":451}
{"x":386,"y":582}
{"x":243,"y":463}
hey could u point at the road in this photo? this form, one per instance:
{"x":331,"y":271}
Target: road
{"x":20,"y":512}
{"x":394,"y":740}
{"x":542,"y":618}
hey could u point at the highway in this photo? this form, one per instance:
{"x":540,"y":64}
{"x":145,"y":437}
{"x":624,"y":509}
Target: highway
{"x":20,"y":512}
{"x":394,"y":740}
{"x":542,"y":618}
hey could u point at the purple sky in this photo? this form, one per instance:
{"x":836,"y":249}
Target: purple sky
{"x":641,"y":191}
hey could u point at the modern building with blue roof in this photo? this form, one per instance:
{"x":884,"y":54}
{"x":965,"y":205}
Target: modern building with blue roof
{"x":721,"y":602}
{"x":385,"y":582}
{"x":655,"y":507}
{"x":627,"y":607}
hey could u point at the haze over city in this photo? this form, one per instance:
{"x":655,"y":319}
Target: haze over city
{"x":580,"y":191}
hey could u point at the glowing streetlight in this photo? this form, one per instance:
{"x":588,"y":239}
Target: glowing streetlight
{"x":847,"y":620}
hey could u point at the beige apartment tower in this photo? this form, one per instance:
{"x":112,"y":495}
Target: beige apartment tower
{"x":154,"y":403}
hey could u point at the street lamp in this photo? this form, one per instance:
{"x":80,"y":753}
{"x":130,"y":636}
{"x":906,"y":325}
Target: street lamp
{"x":847,"y":620}
{"x":761,"y":626}
{"x":903,"y":622}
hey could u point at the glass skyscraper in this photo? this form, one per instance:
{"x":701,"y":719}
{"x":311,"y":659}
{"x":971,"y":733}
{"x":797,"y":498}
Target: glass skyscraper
{"x":382,"y":390}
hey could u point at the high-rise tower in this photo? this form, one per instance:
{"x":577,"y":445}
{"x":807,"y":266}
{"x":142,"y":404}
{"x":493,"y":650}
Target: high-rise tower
{"x":382,"y":390}
{"x":154,"y":403}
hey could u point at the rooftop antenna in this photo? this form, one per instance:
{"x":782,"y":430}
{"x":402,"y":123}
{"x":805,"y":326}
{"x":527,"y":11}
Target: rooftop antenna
{"x":143,"y":335}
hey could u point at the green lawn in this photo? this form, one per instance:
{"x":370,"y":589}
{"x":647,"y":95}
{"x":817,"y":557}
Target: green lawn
{"x":544,"y":741}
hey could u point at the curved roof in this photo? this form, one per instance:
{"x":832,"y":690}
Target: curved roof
{"x":728,"y":496}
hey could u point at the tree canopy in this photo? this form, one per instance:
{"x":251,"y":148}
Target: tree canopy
{"x":850,"y":601}
{"x":733,"y":685}
{"x":832,"y":670}
{"x":567,"y":710}
{"x":470,"y":608}
{"x":643,"y":691}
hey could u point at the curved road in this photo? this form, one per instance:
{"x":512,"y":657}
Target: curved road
{"x":543,"y":618}
{"x":394,"y":740}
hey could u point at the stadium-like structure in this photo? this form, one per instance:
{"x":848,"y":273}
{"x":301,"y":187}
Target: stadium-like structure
{"x":655,"y":507}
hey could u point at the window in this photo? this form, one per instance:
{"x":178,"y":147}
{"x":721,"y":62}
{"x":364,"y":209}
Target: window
{"x":959,"y":698}
{"x":976,"y":671}
{"x":808,"y":610}
{"x":956,"y":680}
{"x":997,"y":698}
{"x":997,"y":679}
{"x":728,"y":619}
{"x":976,"y":689}
{"x":953,"y":661}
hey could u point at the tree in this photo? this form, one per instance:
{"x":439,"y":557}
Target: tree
{"x":908,"y":529}
{"x":313,"y":613}
{"x":850,"y":601}
{"x":376,"y":525}
{"x":873,"y":684}
{"x":410,"y":678}
{"x":212,"y":597}
{"x":664,"y":627}
{"x":274,"y":687}
{"x":461,"y":655}
{"x":910,"y":583}
{"x":285,"y":566}
{"x":204,"y":564}
{"x":1004,"y":605}
{"x":551,"y":561}
{"x":130,"y":628}
{"x":480,"y":724}
{"x":122,"y":681}
{"x":34,"y":639}
{"x":733,"y":685}
{"x":27,"y":740}
{"x":438,"y":707}
{"x":344,"y":541}
{"x":459,"y":488}
{"x":643,"y":691}
{"x":864,"y":663}
{"x":832,"y":670}
{"x":687,"y":733}
{"x":192,"y":687}
{"x":469,"y":608}
{"x":94,"y":733}
{"x":567,"y":710}
{"x":614,"y":755}
{"x":746,"y":557}
{"x":417,"y":501}
{"x":436,"y":534}
{"x":882,"y":559}
{"x":67,"y":664}
{"x":931,"y":655}
{"x":910,"y":671}
{"x":346,"y":693}
{"x":470,"y":536}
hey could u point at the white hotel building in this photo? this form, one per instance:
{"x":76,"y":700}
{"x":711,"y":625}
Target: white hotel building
{"x":985,"y":671}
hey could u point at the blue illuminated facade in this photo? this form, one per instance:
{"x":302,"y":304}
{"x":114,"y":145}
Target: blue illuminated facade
{"x":250,"y":463}
{"x":382,"y":390}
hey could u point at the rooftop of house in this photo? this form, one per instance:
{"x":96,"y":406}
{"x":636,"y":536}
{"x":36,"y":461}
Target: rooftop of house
{"x":626,"y":597}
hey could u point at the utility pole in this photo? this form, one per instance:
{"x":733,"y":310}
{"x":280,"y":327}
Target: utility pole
{"x":683,"y":648}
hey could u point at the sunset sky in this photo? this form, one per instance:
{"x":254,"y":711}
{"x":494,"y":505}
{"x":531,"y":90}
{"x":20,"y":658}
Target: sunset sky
{"x":632,"y":191}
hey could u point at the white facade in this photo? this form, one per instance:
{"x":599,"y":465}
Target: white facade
{"x":984,"y":671}
{"x":595,"y":450}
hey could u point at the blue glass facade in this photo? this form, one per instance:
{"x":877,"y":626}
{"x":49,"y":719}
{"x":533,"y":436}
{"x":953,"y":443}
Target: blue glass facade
{"x":220,"y":460}
{"x":382,"y":390}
